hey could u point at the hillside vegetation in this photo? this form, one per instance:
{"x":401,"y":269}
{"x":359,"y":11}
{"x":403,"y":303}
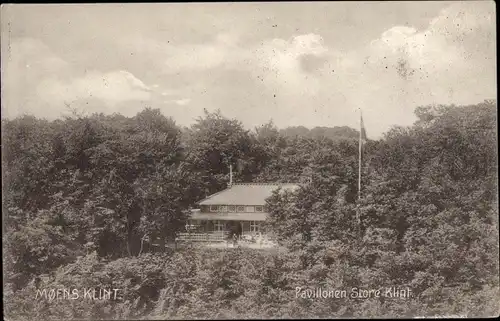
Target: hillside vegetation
{"x":85,"y":197}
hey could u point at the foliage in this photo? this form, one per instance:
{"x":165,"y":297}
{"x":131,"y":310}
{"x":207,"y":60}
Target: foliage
{"x":86,"y":199}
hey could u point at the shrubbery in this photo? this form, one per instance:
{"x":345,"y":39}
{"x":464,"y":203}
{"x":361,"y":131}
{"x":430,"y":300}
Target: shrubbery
{"x":86,"y":199}
{"x":238,"y":283}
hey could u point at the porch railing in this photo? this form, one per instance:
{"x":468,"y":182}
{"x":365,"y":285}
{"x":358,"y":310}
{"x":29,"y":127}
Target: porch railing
{"x":202,"y":237}
{"x":222,"y":236}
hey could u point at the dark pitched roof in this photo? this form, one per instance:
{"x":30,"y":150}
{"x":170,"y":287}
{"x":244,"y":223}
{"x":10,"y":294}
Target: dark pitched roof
{"x":246,"y":194}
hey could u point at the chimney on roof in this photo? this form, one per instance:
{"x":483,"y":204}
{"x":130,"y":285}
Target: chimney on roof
{"x":230,"y":176}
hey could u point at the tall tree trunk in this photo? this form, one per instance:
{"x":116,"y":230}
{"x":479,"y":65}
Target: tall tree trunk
{"x":133,"y":238}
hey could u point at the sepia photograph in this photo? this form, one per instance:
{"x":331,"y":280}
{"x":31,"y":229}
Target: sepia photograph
{"x":249,"y":160}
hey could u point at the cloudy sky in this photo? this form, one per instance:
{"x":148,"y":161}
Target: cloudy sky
{"x":310,"y":64}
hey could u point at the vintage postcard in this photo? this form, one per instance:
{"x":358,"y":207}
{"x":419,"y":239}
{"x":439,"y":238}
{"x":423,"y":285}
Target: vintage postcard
{"x":273,"y":160}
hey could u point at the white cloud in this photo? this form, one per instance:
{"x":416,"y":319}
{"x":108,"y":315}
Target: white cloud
{"x":112,"y":87}
{"x":463,"y":18}
{"x":24,"y":52}
{"x":180,"y":102}
{"x":25,"y":63}
{"x":308,"y":44}
{"x":294,"y":65}
{"x":183,"y":101}
{"x":200,"y":56}
{"x":448,"y":62}
{"x":424,"y":49}
{"x":456,"y":32}
{"x":37,"y":81}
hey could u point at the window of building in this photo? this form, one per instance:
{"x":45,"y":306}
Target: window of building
{"x":254,"y":226}
{"x":249,"y":209}
{"x":259,"y":208}
{"x":241,"y":208}
{"x":214,"y":208}
{"x":231,"y":208}
{"x":223,"y":208}
{"x":219,"y":226}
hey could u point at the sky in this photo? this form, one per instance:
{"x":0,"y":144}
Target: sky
{"x":310,"y":64}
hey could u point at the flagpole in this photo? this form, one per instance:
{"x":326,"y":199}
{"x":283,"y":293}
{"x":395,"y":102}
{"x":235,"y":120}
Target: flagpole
{"x":359,"y":156}
{"x":359,"y":169}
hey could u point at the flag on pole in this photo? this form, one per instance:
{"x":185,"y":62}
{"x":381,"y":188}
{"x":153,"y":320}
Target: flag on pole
{"x":362,"y":135}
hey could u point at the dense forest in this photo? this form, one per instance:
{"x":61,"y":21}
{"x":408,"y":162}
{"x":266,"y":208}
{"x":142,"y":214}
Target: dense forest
{"x":85,"y":197}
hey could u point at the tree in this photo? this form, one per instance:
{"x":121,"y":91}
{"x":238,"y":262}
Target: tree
{"x":214,"y":143}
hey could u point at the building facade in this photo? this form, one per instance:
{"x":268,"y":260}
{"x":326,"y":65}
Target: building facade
{"x":239,"y":210}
